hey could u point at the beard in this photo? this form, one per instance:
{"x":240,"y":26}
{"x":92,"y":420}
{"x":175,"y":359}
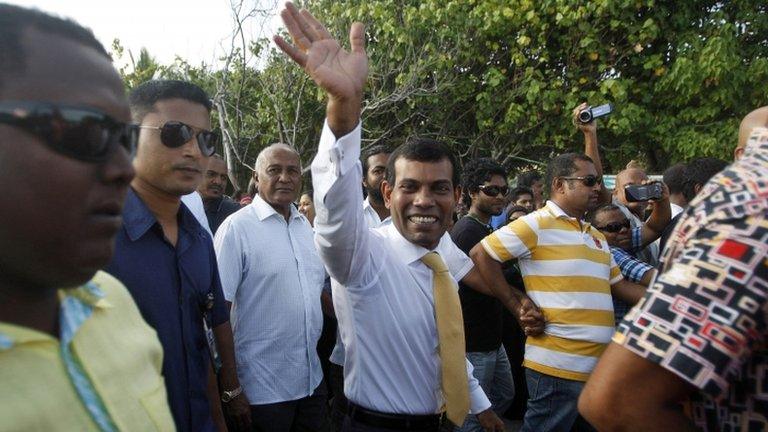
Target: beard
{"x":374,"y":194}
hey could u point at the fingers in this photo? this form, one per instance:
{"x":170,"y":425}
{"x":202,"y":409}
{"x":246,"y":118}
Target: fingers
{"x":295,"y":24}
{"x":319,"y":30}
{"x":357,"y":38}
{"x":294,"y":53}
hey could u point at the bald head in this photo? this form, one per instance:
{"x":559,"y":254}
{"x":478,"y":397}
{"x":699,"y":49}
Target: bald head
{"x":630,"y":176}
{"x":757,"y":118}
{"x":264,"y":155}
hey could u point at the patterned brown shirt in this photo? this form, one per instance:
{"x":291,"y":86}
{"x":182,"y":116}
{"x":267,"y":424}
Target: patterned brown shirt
{"x":706,"y":317}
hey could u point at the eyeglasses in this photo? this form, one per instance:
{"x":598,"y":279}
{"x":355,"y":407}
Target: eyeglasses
{"x":493,"y":191}
{"x":615,"y":227}
{"x":587,"y":181}
{"x":175,"y":134}
{"x":82,"y":133}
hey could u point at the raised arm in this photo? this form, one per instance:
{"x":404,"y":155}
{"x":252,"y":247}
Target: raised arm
{"x":341,"y":232}
{"x":661,"y":214}
{"x":590,"y":148}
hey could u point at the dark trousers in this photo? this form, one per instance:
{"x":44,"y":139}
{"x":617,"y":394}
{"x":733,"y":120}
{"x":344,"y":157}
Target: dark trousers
{"x":350,"y":425}
{"x":309,"y":414}
{"x":339,"y":403}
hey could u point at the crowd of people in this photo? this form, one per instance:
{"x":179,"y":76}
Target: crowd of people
{"x":397,"y":290}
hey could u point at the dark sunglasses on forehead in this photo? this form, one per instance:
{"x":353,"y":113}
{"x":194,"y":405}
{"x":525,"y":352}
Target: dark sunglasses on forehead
{"x":615,"y":227}
{"x":80,"y":132}
{"x":493,"y":191}
{"x":175,"y":134}
{"x":587,"y":181}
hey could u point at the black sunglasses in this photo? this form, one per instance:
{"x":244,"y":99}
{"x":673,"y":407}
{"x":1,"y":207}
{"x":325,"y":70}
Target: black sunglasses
{"x":493,"y":191}
{"x":175,"y":134}
{"x":587,"y":181}
{"x":615,"y":227}
{"x":79,"y":132}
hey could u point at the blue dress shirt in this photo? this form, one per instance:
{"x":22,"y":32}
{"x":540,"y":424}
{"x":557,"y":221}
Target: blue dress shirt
{"x":174,"y":287}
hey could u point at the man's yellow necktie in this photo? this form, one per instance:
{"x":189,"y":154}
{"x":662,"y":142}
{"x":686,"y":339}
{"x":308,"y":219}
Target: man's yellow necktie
{"x":450,"y":335}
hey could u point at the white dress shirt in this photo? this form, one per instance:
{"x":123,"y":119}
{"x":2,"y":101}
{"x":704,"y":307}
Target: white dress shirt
{"x":458,"y":263}
{"x":272,"y":274}
{"x":382,"y":294}
{"x":371,"y":217}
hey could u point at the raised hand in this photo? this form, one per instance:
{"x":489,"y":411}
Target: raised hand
{"x":340,"y":73}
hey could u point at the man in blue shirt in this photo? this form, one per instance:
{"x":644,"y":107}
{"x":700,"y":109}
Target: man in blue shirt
{"x":166,"y":258}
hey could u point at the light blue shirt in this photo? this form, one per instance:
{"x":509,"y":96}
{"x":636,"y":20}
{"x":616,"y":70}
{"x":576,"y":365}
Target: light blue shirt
{"x":273,"y":276}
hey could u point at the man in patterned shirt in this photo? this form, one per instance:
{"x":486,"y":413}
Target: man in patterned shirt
{"x":700,"y":331}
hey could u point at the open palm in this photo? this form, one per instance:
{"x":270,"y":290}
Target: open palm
{"x":340,"y":73}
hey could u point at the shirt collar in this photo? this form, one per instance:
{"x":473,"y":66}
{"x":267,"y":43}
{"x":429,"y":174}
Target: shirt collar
{"x":138,"y":219}
{"x":408,"y":252}
{"x":556,"y":210}
{"x":264,"y":210}
{"x":88,"y":294}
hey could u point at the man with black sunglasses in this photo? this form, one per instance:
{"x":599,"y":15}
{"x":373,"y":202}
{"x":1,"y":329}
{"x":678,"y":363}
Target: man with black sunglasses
{"x":569,"y":273}
{"x":166,"y":258}
{"x":626,"y":241}
{"x":484,"y":187}
{"x":75,"y":353}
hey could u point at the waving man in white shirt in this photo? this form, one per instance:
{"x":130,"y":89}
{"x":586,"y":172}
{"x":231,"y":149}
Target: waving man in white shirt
{"x":395,"y":301}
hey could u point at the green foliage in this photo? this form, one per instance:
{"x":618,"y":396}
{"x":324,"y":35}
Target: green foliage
{"x":499,"y":78}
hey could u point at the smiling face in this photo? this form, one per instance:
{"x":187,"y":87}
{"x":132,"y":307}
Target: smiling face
{"x":59,"y":215}
{"x":279,"y":178}
{"x":173,"y":171}
{"x":422,"y":200}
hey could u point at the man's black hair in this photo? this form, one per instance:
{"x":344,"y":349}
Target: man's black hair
{"x":528,"y":178}
{"x":515,"y":193}
{"x":373,"y":150}
{"x":14,"y":20}
{"x":563,"y":165}
{"x":475,"y":173}
{"x":516,"y":208}
{"x":592,"y":216}
{"x":698,"y":172}
{"x":423,"y":150}
{"x":674,"y":178}
{"x":144,"y":97}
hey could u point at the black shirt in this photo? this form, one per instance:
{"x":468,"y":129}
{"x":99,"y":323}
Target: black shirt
{"x":216,"y":210}
{"x":482,"y":313}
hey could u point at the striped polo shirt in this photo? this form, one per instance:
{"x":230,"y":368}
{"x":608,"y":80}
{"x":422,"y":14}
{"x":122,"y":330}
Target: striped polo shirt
{"x":568,"y":271}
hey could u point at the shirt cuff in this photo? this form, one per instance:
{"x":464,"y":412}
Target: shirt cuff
{"x":344,"y":152}
{"x":478,"y":401}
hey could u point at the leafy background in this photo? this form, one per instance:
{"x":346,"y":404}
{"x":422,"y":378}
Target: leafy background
{"x":499,"y":78}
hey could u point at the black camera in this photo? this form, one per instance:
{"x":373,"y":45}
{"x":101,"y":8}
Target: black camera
{"x":589,"y":114}
{"x":637,"y":193}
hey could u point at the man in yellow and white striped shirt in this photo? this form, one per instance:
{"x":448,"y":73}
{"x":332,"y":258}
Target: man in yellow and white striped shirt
{"x":569,"y":273}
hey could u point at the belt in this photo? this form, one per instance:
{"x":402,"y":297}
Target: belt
{"x":402,"y":422}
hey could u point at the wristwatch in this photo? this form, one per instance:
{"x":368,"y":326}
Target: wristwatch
{"x":228,"y":395}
